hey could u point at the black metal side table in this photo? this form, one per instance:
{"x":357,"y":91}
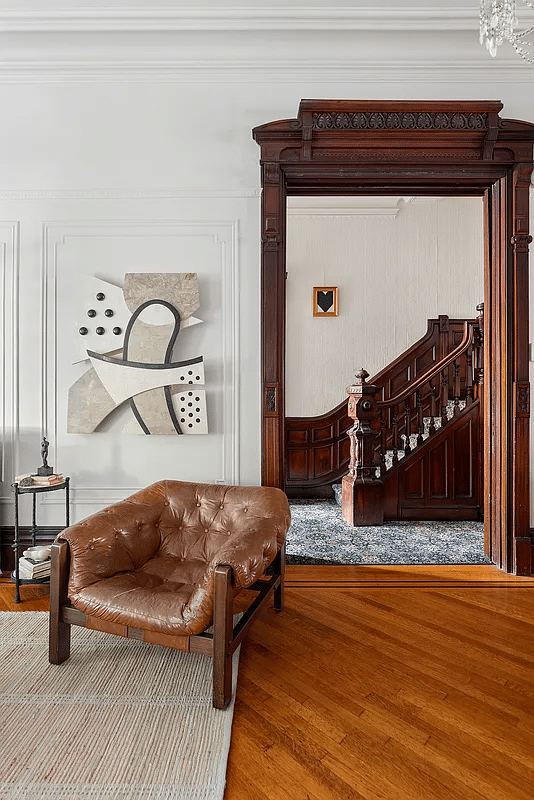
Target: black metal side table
{"x":34,"y":491}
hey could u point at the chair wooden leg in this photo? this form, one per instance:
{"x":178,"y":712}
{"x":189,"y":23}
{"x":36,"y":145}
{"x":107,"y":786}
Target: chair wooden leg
{"x":222,"y":637}
{"x":59,"y":631}
{"x":279,"y":564}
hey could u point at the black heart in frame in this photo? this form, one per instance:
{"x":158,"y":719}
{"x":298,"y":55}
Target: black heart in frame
{"x":325,"y":300}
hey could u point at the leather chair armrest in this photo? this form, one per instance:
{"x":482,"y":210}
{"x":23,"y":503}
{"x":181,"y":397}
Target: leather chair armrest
{"x":250,"y":551}
{"x":118,"y":538}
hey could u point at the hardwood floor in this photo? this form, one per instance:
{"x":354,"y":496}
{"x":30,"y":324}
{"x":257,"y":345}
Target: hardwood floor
{"x":395,"y":683}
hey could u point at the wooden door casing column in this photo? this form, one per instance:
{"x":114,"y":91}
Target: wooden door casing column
{"x":352,"y":147}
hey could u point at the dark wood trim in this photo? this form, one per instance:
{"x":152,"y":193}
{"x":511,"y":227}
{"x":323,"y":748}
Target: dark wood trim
{"x":446,"y":474}
{"x":317,"y":449}
{"x":58,"y":628}
{"x":344,"y":147}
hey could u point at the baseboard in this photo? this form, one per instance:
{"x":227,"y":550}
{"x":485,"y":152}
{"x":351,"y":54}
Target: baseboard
{"x":45,"y":535}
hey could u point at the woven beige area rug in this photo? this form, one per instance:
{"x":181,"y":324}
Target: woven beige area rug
{"x":120,"y":719}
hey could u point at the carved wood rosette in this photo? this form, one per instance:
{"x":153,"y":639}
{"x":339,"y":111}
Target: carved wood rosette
{"x":343,"y":147}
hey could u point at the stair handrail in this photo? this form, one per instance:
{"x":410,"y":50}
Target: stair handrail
{"x":427,"y":376}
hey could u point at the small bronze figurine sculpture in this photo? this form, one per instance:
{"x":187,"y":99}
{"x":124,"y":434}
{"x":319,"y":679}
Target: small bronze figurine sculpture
{"x":45,"y":469}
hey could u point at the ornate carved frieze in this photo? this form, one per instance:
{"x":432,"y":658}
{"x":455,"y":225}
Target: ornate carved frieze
{"x":271,"y":241}
{"x":521,"y":242}
{"x":374,"y":120}
{"x":270,"y":400}
{"x":271,"y":172}
{"x":523,"y":398}
{"x":392,"y":155}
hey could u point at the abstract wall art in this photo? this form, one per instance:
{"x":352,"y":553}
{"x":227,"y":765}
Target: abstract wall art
{"x":129,"y":335}
{"x":325,"y":301}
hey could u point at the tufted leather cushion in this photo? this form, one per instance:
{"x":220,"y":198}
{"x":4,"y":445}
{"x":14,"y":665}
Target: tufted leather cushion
{"x":148,"y":562}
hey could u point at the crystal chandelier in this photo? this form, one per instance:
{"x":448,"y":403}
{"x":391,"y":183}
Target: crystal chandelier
{"x":497,"y":23}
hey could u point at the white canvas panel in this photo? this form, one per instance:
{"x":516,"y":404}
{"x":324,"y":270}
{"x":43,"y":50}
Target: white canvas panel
{"x":87,"y":289}
{"x":190,"y":408}
{"x":123,"y":382}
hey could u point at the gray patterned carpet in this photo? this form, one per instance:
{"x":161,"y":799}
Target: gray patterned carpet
{"x":319,"y":535}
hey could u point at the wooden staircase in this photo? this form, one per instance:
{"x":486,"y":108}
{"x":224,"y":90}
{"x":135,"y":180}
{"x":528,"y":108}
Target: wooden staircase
{"x":408,"y":443}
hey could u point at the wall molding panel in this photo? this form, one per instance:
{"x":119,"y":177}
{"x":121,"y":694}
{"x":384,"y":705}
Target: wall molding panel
{"x":224,"y":466}
{"x":9,"y":348}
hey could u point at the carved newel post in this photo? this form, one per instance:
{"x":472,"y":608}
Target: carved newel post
{"x":362,"y":491}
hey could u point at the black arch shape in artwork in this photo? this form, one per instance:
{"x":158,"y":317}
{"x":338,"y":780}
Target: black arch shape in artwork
{"x":166,"y":360}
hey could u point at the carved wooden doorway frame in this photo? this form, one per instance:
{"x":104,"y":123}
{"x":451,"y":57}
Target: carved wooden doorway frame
{"x":343,"y":147}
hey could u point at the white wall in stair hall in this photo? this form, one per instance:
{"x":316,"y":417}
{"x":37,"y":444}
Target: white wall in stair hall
{"x":394,"y":270}
{"x":125,"y":143}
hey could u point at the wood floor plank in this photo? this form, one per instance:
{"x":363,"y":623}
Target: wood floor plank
{"x":34,"y":598}
{"x":451,"y":746}
{"x":403,"y":575}
{"x":288,"y":755}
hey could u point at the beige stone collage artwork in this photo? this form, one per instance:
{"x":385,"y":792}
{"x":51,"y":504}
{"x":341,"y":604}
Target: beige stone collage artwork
{"x":128,"y":336}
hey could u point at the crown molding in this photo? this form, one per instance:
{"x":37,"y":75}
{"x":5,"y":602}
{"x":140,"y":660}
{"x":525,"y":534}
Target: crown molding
{"x":480,"y":70}
{"x":127,"y":194}
{"x":301,"y":18}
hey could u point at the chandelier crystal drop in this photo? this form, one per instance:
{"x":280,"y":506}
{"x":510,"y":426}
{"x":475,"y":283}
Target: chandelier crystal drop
{"x":497,"y":23}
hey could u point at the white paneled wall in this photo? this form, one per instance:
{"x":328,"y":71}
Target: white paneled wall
{"x":394,"y":271}
{"x":106,"y":235}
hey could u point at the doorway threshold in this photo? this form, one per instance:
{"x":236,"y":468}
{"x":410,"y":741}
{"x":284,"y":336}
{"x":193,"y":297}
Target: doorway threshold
{"x":438,"y":576}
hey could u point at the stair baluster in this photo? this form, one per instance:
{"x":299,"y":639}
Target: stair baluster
{"x":383,"y":443}
{"x":395,"y":439}
{"x":433,"y":410}
{"x":469,"y":395}
{"x":444,"y":395}
{"x":407,"y":426}
{"x":456,"y":387}
{"x":420,"y":420}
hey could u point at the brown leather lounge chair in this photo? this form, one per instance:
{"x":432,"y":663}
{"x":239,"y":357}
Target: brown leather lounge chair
{"x":166,"y":563}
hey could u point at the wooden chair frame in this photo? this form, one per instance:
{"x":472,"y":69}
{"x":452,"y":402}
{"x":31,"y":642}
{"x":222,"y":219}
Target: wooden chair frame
{"x":220,"y":645}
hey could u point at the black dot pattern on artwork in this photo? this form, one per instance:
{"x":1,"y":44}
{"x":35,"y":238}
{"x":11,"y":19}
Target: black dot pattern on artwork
{"x":91,"y":313}
{"x":83,"y":331}
{"x":100,"y":331}
{"x":101,"y":296}
{"x":108,"y":312}
{"x":116,"y":331}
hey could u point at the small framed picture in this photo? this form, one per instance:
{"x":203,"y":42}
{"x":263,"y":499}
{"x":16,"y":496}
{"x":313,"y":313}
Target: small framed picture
{"x":325,"y":301}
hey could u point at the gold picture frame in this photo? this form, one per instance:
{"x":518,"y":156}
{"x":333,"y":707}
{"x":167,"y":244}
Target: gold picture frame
{"x":325,"y":301}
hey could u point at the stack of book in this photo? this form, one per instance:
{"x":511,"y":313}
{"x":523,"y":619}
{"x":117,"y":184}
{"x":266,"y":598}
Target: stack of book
{"x":31,"y":569}
{"x":31,"y":479}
